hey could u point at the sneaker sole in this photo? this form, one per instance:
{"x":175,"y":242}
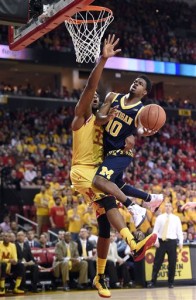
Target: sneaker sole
{"x":103,"y":296}
{"x":18,"y":293}
{"x":142,"y":220}
{"x":148,"y":245}
{"x":157,"y":207}
{"x":155,"y":210}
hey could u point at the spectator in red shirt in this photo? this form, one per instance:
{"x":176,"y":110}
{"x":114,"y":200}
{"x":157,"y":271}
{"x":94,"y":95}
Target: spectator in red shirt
{"x":57,"y":216}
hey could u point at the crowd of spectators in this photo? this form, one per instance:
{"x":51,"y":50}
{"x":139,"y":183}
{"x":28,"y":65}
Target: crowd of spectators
{"x":157,"y":30}
{"x":44,"y":92}
{"x":36,"y":145}
{"x":74,"y":95}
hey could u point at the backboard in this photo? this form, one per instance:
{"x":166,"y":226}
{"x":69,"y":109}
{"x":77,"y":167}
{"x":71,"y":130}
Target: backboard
{"x":21,"y":37}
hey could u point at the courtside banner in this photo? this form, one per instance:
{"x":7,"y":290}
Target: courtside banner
{"x":184,"y":112}
{"x":6,"y":53}
{"x":183,"y":265}
{"x":150,"y":66}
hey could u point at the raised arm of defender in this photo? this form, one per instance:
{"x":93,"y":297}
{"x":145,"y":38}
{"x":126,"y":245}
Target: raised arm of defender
{"x":83,"y":108}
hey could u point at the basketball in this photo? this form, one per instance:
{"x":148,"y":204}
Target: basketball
{"x":152,"y":117}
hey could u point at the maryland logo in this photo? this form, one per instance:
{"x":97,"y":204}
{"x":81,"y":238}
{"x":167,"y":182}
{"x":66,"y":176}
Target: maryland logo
{"x":106,"y":173}
{"x":91,"y":194}
{"x":5,"y":255}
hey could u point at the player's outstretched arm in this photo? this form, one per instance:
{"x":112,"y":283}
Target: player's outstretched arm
{"x":188,"y":205}
{"x":106,"y":113}
{"x":83,"y":108}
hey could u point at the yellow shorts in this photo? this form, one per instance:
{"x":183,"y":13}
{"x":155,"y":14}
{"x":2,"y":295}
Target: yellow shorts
{"x":82,"y":177}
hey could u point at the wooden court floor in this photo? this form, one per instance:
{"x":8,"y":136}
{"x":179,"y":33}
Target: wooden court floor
{"x":178,"y":293}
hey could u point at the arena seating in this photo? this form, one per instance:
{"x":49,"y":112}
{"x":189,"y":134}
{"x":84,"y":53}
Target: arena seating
{"x":164,"y":31}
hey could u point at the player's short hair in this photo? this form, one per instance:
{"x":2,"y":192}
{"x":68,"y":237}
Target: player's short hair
{"x":148,"y":82}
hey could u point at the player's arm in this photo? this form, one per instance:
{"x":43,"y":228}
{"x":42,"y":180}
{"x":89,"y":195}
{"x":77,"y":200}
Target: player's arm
{"x":106,"y":113}
{"x":83,"y":108}
{"x":188,"y":205}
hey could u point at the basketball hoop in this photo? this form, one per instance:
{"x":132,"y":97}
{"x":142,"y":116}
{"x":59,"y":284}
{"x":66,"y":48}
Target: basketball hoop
{"x":87,"y":28}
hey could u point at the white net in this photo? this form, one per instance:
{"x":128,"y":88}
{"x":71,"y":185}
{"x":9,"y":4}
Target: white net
{"x":87,"y":29}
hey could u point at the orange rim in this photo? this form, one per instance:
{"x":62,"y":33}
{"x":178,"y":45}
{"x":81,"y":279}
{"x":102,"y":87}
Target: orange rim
{"x":91,"y":8}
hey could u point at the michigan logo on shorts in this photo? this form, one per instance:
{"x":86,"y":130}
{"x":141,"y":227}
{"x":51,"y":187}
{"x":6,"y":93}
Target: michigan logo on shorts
{"x":106,"y":173}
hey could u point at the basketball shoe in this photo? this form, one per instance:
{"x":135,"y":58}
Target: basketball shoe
{"x":2,"y":291}
{"x":139,"y":249}
{"x":138,"y":213}
{"x":100,"y":283}
{"x":155,"y":202}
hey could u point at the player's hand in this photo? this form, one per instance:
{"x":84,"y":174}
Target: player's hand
{"x":149,"y":132}
{"x":129,"y":143}
{"x":142,"y":131}
{"x":109,"y":45}
{"x":13,"y":261}
{"x":112,"y":113}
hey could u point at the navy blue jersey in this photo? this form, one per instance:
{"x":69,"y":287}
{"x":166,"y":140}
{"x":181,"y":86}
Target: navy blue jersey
{"x":122,"y":126}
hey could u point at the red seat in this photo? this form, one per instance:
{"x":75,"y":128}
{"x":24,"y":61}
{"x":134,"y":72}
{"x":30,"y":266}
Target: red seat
{"x":50,"y":255}
{"x":44,"y":257}
{"x":40,"y":255}
{"x":29,"y":211}
{"x":13,"y":210}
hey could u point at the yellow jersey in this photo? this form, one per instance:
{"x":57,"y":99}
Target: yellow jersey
{"x":42,"y":199}
{"x":75,"y":221}
{"x":86,"y":152}
{"x":8,"y":252}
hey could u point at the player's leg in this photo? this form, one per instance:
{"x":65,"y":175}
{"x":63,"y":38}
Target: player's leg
{"x":117,"y":221}
{"x":82,"y":177}
{"x":111,"y":168}
{"x":103,"y":244}
{"x":153,"y":200}
{"x":3,"y":267}
{"x":114,"y":217}
{"x":108,"y":178}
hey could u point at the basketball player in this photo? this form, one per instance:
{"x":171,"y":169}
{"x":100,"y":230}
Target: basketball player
{"x":87,"y":154}
{"x":117,"y":159}
{"x":188,"y":205}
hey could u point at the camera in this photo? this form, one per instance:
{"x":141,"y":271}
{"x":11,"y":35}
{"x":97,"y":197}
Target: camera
{"x":36,"y":8}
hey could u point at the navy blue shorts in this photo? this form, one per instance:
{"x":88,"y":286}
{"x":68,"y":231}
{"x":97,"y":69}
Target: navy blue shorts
{"x":113,"y":166}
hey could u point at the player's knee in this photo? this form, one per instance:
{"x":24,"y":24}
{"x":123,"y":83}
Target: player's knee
{"x":108,"y":203}
{"x":104,"y":234}
{"x":104,"y":227}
